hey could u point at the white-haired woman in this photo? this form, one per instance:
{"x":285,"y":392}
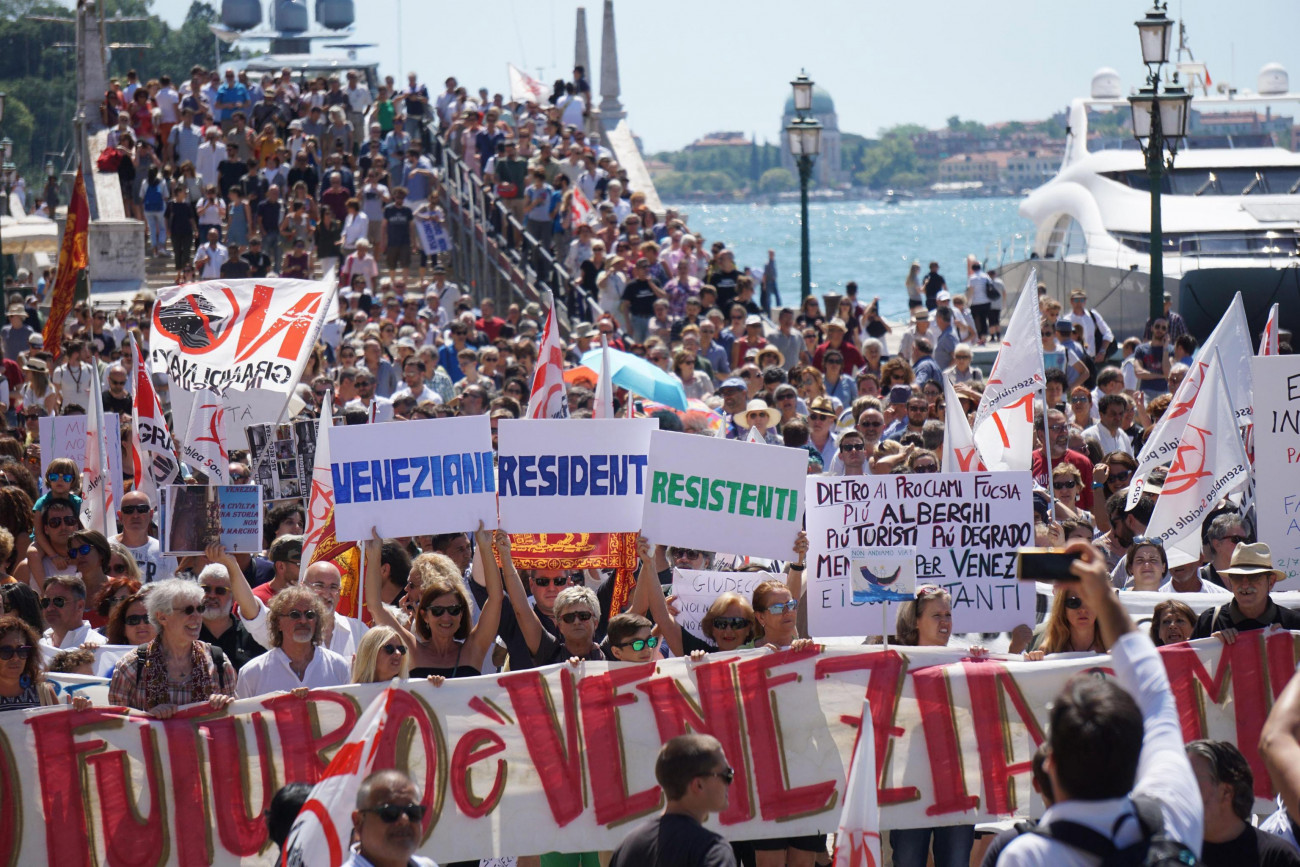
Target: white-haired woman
{"x":962,"y":370}
{"x":175,"y":669}
{"x":577,"y":614}
{"x":380,"y":657}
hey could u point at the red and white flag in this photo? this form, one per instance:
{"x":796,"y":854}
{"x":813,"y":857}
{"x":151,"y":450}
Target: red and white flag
{"x":549,"y":398}
{"x":525,"y":88}
{"x":857,"y":840}
{"x":322,"y":833}
{"x":580,"y":209}
{"x":97,"y":506}
{"x":205,"y":446}
{"x":604,"y":403}
{"x":960,"y":454}
{"x":1230,"y":341}
{"x":153,"y":451}
{"x":1004,"y":422}
{"x":320,"y":501}
{"x":1209,"y":464}
{"x":1268,"y":344}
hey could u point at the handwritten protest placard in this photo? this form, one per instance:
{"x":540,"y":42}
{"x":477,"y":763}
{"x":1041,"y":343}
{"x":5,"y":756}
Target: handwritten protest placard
{"x":966,"y":528}
{"x":195,"y":516}
{"x":1277,"y":461}
{"x":414,"y":478}
{"x":569,"y":475}
{"x":64,"y":436}
{"x":724,"y":495}
{"x":694,"y":592}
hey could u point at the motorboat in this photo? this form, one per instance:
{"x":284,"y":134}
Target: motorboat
{"x":1230,"y":209}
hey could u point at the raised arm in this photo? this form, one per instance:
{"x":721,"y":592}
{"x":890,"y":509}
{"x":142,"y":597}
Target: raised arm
{"x":239,"y":589}
{"x":374,"y":601}
{"x":650,"y":594}
{"x":529,"y":625}
{"x":489,"y":619}
{"x":794,"y":570}
{"x":1279,"y":747}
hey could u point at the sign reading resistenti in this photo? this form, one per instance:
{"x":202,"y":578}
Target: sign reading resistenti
{"x":724,"y":495}
{"x":412,"y":479}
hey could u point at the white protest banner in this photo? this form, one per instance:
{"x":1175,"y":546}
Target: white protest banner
{"x":432,"y":235}
{"x":724,"y":495}
{"x":195,"y":516}
{"x":1003,"y":427}
{"x":64,"y":436}
{"x":573,"y":749}
{"x":966,"y":528}
{"x":572,"y":475}
{"x":1209,"y":464}
{"x":248,"y":339}
{"x":1230,"y":340}
{"x":694,"y":592}
{"x":1277,"y":461}
{"x":412,"y":479}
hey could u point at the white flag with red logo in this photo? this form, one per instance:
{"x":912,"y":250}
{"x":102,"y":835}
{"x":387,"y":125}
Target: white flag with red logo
{"x":525,"y":88}
{"x":857,"y":841}
{"x":1004,"y":422}
{"x":1268,"y":344}
{"x":153,"y":451}
{"x":960,"y":454}
{"x":580,"y":210}
{"x":1230,"y":340}
{"x":1209,"y":463}
{"x":549,"y":398}
{"x":603,"y":407}
{"x":97,"y":506}
{"x":322,"y":833}
{"x":205,"y":446}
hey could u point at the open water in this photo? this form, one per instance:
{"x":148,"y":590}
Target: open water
{"x":868,"y":241}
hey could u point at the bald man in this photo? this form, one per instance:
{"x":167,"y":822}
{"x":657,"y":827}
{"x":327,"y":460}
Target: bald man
{"x":386,"y":822}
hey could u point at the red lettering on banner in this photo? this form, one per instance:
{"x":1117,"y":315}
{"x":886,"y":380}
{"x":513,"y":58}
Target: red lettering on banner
{"x":470,"y":750}
{"x":128,"y":840}
{"x":240,"y":829}
{"x":717,"y":714}
{"x":1280,"y":656}
{"x":189,"y":805}
{"x":555,"y":753}
{"x":775,"y":799}
{"x":987,"y":711}
{"x":884,"y":690}
{"x":934,"y":704}
{"x":301,"y":751}
{"x":392,"y":750}
{"x":599,"y":700}
{"x":11,"y":833}
{"x":297,"y":319}
{"x":67,"y":840}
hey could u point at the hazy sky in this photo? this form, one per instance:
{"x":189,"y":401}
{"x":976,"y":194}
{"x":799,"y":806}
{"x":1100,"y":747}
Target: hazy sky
{"x":687,"y":69}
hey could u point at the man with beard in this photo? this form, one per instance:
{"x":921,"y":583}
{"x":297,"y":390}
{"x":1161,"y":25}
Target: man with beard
{"x":1125,"y":526}
{"x":220,"y":626}
{"x":1059,"y":429}
{"x":295,"y":660}
{"x":135,"y":516}
{"x":338,"y":632}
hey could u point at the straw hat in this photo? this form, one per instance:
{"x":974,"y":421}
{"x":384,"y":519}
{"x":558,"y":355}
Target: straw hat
{"x":1249,"y":560}
{"x":773,"y":414}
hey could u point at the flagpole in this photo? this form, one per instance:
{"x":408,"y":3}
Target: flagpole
{"x":1047,"y":453}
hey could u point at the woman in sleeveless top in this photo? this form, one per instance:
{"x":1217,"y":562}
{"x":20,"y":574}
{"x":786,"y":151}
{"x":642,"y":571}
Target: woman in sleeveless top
{"x":240,"y":217}
{"x":22,"y":669}
{"x":444,"y":641}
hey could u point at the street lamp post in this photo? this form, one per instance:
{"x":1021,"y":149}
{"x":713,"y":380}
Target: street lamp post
{"x":1159,"y":124}
{"x":804,"y":134}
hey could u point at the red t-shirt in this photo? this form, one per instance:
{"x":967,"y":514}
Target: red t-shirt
{"x":264,"y":592}
{"x":491,"y":326}
{"x":852,"y":358}
{"x":1039,"y":469}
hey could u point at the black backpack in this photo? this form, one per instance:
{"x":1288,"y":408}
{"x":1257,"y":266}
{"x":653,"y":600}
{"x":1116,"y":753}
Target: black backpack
{"x":1155,"y":849}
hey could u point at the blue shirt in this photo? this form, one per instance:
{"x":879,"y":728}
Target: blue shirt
{"x":233,"y":93}
{"x":539,"y":203}
{"x":450,"y":362}
{"x":926,"y":369}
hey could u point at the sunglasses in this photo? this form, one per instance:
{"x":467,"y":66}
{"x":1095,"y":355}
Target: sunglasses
{"x":1074,"y":603}
{"x":925,"y":468}
{"x":55,"y":477}
{"x":852,"y":447}
{"x":215,"y":590}
{"x":727,"y":775}
{"x":1155,"y":540}
{"x":295,"y":614}
{"x":688,"y":553}
{"x":1121,"y":475}
{"x":439,"y":610}
{"x":190,"y":610}
{"x":136,"y":619}
{"x":8,"y":653}
{"x":56,"y":601}
{"x":138,"y":509}
{"x":641,"y":644}
{"x":394,"y":649}
{"x":239,"y":477}
{"x":783,"y":607}
{"x":575,"y":616}
{"x":1067,"y":485}
{"x":733,"y":623}
{"x":557,"y":582}
{"x":1080,"y":399}
{"x":79,"y":551}
{"x":390,"y":813}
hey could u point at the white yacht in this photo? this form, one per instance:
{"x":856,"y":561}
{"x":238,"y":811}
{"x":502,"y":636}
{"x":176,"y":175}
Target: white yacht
{"x":1230,"y":212}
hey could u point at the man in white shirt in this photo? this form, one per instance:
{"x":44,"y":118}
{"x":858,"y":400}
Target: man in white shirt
{"x":359,"y":100}
{"x":135,"y":516}
{"x":64,"y":604}
{"x":416,"y":388}
{"x":379,"y":408}
{"x":211,"y":256}
{"x":1110,"y":741}
{"x":74,"y":379}
{"x":622,"y":207}
{"x":339,"y":632}
{"x":297,"y":659}
{"x":1096,"y":333}
{"x":1108,"y":431}
{"x":209,"y":155}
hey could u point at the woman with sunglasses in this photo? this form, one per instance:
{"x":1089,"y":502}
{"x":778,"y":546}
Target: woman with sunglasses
{"x":1112,"y":474}
{"x":110,"y":594}
{"x":121,"y":562}
{"x":1071,"y":628}
{"x":575,"y":612}
{"x":129,"y":624}
{"x":380,"y":657}
{"x":1066,"y":485}
{"x":90,"y":554}
{"x":22,"y":668}
{"x":444,"y":640}
{"x":176,"y":668}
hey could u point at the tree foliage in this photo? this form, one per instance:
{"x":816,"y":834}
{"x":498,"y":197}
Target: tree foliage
{"x":776,"y":181}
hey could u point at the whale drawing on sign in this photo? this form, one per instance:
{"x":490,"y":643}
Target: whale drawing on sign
{"x":878,"y":584}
